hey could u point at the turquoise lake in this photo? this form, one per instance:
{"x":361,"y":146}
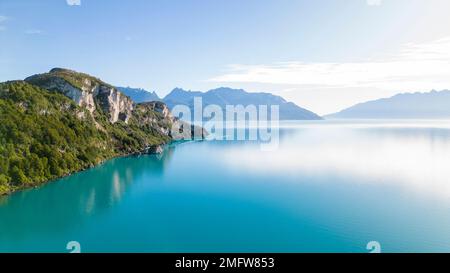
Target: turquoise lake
{"x":331,"y":186}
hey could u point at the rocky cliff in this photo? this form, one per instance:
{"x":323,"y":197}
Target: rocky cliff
{"x":101,"y":98}
{"x":86,"y":91}
{"x":173,"y":127}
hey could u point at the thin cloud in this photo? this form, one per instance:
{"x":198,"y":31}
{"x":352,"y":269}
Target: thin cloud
{"x":33,"y":31}
{"x":416,"y":67}
{"x":73,"y":2}
{"x":2,"y":20}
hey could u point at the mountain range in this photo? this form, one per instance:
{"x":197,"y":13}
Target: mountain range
{"x":227,"y":96}
{"x":421,"y":105}
{"x":430,"y":105}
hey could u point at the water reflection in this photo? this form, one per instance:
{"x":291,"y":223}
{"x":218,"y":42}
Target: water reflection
{"x":330,"y":187}
{"x":415,"y":158}
{"x":71,"y":199}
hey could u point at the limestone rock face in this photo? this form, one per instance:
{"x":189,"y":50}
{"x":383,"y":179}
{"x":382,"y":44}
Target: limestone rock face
{"x":154,"y":114}
{"x":182,"y":130}
{"x":102,"y":99}
{"x":154,"y":149}
{"x":87,"y":92}
{"x":157,"y":114}
{"x":117,"y":105}
{"x":83,"y":97}
{"x":159,"y":107}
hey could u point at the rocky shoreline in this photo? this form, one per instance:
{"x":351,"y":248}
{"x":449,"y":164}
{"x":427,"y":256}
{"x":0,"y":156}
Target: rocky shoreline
{"x":151,"y":150}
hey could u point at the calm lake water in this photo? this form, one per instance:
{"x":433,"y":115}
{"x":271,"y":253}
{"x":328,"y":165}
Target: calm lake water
{"x":331,"y":186}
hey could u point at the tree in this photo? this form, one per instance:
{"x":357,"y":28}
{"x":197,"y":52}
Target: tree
{"x":18,"y":177}
{"x":3,"y":180}
{"x":4,"y":187}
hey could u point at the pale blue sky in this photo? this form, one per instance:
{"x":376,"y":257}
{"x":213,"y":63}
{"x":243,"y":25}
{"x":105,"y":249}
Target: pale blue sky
{"x":281,"y":46}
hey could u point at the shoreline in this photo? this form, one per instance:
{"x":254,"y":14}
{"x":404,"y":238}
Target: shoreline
{"x":162,"y":146}
{"x":135,"y":154}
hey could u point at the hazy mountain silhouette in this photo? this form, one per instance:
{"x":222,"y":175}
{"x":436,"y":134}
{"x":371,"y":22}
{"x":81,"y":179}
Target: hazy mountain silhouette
{"x":434,"y":104}
{"x":226,"y":96}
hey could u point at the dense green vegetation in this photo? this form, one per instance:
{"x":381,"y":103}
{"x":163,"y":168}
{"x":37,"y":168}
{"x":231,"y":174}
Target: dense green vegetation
{"x":76,"y":79}
{"x":44,"y":135}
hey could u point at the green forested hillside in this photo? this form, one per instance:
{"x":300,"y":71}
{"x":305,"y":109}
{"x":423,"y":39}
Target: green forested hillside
{"x":41,"y":137}
{"x":45,"y":135}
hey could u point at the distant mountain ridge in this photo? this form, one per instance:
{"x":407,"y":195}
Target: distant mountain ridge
{"x":139,"y":95}
{"x":227,"y":96}
{"x":432,"y":105}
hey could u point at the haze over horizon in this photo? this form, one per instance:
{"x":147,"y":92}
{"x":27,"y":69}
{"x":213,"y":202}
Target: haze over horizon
{"x":309,"y":52}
